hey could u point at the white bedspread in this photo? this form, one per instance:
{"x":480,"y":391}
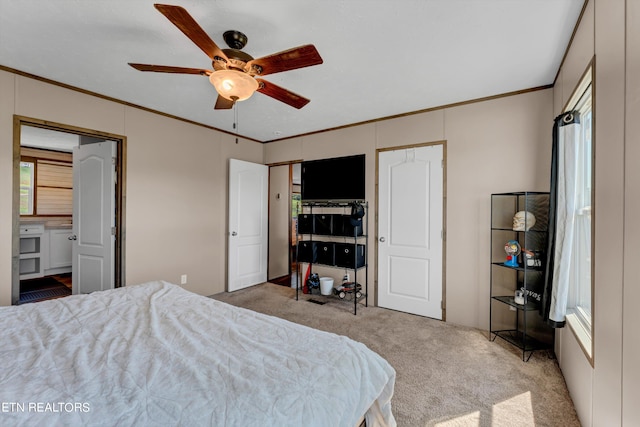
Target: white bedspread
{"x":155,"y":354}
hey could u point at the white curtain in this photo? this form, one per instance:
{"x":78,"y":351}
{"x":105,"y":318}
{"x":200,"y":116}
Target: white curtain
{"x":566,"y":203}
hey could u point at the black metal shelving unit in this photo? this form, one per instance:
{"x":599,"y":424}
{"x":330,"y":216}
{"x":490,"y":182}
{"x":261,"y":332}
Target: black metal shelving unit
{"x":306,"y":237}
{"x":519,"y":324}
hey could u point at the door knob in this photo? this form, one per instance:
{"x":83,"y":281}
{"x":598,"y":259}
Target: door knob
{"x":233,"y":233}
{"x":382,"y":239}
{"x":73,"y":237}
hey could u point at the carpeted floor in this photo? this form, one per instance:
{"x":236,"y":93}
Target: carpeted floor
{"x":447,"y":375}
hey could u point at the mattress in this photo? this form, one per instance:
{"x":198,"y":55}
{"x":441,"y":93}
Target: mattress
{"x":156,"y":354}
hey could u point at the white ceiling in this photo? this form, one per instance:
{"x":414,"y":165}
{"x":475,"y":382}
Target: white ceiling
{"x":381,"y":58}
{"x":36,"y":137}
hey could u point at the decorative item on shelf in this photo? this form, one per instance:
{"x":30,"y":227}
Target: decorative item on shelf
{"x":523,"y":221}
{"x":532,"y":258}
{"x":513,"y":249}
{"x":519,"y":296}
{"x":348,"y":290}
{"x":313,"y":282}
{"x":357,"y":212}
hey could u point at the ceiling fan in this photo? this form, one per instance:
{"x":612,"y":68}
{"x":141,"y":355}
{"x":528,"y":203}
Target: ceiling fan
{"x":234,"y":71}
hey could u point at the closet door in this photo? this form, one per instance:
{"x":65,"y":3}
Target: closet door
{"x":410,"y":218}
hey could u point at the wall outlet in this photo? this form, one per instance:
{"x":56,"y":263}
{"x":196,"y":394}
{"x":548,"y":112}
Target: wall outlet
{"x":183,"y":279}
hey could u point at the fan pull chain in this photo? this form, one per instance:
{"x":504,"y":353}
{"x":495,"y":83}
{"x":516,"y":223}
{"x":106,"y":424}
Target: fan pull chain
{"x":235,"y":119}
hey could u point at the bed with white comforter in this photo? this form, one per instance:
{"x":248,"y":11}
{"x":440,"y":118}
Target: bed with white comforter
{"x":155,"y":354}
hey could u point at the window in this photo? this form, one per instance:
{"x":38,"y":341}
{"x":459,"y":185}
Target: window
{"x":580,"y":280}
{"x":46,"y":183}
{"x":581,"y":275}
{"x":27,"y":187}
{"x":296,"y":202}
{"x":296,"y":208}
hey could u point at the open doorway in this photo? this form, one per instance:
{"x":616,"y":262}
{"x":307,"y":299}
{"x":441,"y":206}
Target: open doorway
{"x":50,"y":203}
{"x":284,"y":205}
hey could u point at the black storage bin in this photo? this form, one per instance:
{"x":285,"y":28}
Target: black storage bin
{"x":348,"y":255}
{"x":305,"y":224}
{"x":325,"y":253}
{"x":344,"y":226}
{"x":323,"y":224}
{"x":307,"y":252}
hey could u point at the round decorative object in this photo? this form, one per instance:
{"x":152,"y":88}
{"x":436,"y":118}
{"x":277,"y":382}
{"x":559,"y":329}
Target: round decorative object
{"x":513,"y":249}
{"x":523,"y":221}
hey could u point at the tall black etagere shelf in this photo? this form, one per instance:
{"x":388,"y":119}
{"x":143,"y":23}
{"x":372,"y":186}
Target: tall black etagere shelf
{"x":519,"y":322}
{"x":318,"y":236}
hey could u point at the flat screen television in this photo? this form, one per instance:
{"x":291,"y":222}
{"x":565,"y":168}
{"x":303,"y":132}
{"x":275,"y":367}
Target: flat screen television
{"x":337,"y":179}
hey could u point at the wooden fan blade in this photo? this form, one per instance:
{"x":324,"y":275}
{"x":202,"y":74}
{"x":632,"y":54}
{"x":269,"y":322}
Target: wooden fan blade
{"x":170,"y":69}
{"x":223,"y":103}
{"x":298,"y":57}
{"x":185,"y":23}
{"x":282,"y":94}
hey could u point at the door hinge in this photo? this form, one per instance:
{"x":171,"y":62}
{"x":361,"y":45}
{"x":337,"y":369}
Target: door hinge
{"x":441,"y":305}
{"x":442,"y":163}
{"x":442,"y":234}
{"x":113,"y":231}
{"x":113,"y":161}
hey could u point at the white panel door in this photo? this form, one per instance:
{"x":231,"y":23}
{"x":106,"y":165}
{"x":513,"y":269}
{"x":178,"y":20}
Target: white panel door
{"x":94,"y":198}
{"x":248,"y":224}
{"x":410,"y":196}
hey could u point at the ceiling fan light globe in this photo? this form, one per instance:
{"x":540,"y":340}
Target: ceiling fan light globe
{"x":233,"y":85}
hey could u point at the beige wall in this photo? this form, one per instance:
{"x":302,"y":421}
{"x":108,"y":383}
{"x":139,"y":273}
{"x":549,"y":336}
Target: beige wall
{"x":493,"y":146}
{"x":176,"y":182}
{"x":279,"y":214}
{"x":7,"y":83}
{"x":607,"y":392}
{"x":631,"y":295}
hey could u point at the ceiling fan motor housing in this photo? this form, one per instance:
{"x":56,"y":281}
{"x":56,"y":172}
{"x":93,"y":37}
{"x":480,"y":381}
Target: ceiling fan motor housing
{"x":235,"y":39}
